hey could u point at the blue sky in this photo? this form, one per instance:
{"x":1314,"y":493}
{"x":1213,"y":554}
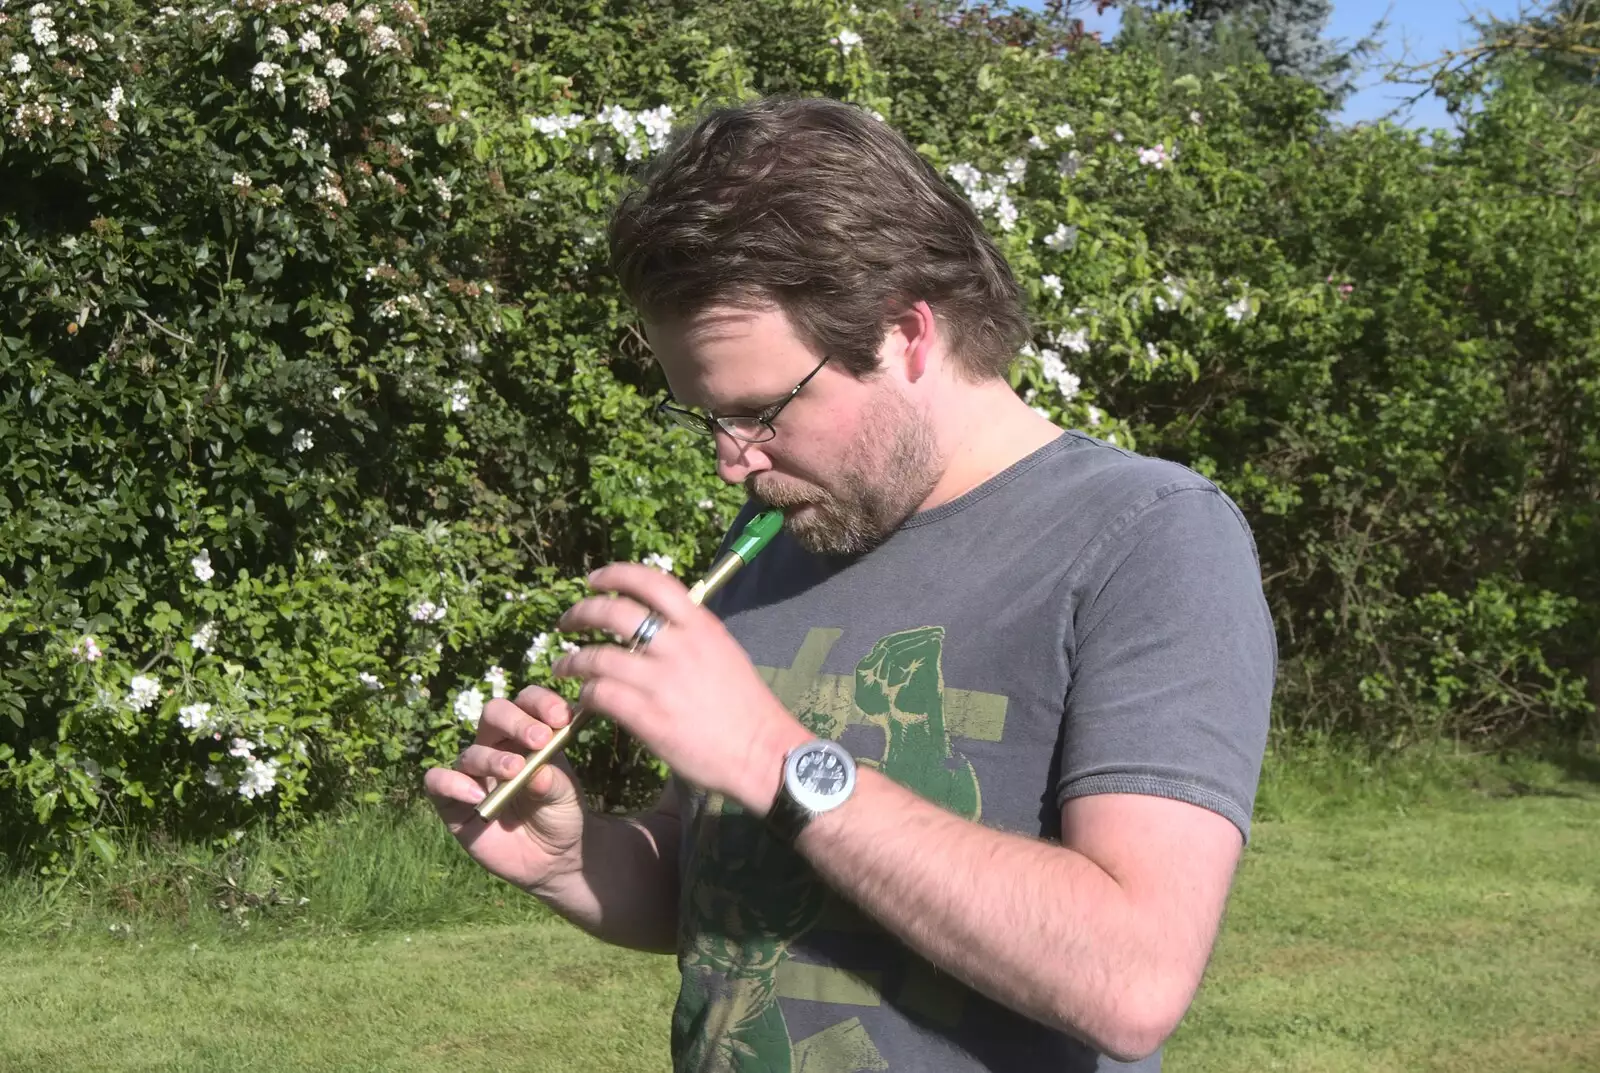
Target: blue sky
{"x":1418,"y":30}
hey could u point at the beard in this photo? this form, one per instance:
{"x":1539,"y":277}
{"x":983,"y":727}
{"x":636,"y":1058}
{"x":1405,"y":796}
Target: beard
{"x":890,"y":469}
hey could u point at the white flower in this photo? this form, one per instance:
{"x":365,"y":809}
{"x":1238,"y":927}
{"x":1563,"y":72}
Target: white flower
{"x":1064,"y":130}
{"x":337,"y":392}
{"x":1015,"y":170}
{"x":384,"y":39}
{"x":241,"y":180}
{"x":201,"y":565}
{"x":336,"y":67}
{"x":333,"y":13}
{"x":1076,"y":341}
{"x":329,"y":191}
{"x":298,"y":138}
{"x":496,"y":677}
{"x":1152,"y":353}
{"x":1194,"y":117}
{"x":459,"y":400}
{"x":394,"y":119}
{"x":1068,"y":384}
{"x":213,"y":776}
{"x":302,"y":440}
{"x":1052,"y":284}
{"x":259,"y":777}
{"x":1155,"y":157}
{"x":657,"y":124}
{"x":309,"y":41}
{"x":428,"y":611}
{"x":1174,"y":295}
{"x":847,"y":40}
{"x":537,"y":650}
{"x":267,"y":75}
{"x":1095,"y":415}
{"x":705,"y":504}
{"x":1042,"y":412}
{"x":43,"y":30}
{"x":203,"y":638}
{"x":1064,"y":238}
{"x":469,"y":706}
{"x":554,"y":126}
{"x":1007,"y":212}
{"x":1055,"y":370}
{"x":278,"y":36}
{"x":20,"y":64}
{"x":1239,"y":310}
{"x":1035,"y":142}
{"x":142,"y":692}
{"x":660,"y":562}
{"x":114,"y":103}
{"x":319,"y":555}
{"x":1116,"y":136}
{"x":197,"y":717}
{"x":87,"y":649}
{"x":370,"y":680}
{"x":569,"y":647}
{"x":442,"y":188}
{"x":242,"y":747}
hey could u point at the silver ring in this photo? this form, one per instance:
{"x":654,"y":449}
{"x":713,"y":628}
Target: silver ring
{"x":646,"y":632}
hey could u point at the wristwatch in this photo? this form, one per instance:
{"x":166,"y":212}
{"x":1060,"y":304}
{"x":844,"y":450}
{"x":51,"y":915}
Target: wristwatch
{"x":818,"y":777}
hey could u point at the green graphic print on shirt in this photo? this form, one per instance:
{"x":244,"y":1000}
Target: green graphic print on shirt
{"x":747,"y":898}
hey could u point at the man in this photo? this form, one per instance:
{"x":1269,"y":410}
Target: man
{"x":1045,"y":662}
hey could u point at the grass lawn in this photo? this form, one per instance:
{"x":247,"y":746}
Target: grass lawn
{"x":1372,"y":935}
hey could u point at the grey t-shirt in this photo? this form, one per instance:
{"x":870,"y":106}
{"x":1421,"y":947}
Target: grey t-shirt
{"x":1087,"y":621}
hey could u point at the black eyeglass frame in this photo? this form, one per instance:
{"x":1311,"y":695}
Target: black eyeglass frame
{"x":694,"y":420}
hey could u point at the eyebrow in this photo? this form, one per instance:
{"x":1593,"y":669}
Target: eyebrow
{"x":743,"y":406}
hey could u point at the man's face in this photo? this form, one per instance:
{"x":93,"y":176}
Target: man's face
{"x":850,"y":460}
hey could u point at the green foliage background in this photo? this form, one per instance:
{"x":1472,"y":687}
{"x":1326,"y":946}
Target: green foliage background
{"x":348,"y":335}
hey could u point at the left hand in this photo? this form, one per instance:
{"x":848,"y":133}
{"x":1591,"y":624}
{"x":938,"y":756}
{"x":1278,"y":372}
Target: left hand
{"x":692,"y":696}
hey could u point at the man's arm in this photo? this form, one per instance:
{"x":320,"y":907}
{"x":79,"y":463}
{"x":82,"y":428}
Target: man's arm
{"x":625,"y":888}
{"x":1104,"y":937}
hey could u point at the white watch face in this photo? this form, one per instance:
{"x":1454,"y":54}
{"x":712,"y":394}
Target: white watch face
{"x":821,"y":776}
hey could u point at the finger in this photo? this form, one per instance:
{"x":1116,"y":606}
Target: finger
{"x":626,"y":704}
{"x":651,"y":587}
{"x":545,"y":705}
{"x":621,"y":617}
{"x":522,"y":725}
{"x":606,"y":663}
{"x":481,"y":761}
{"x":453,"y":793}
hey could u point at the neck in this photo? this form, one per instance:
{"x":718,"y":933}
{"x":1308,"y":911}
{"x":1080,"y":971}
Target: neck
{"x":987,"y":430}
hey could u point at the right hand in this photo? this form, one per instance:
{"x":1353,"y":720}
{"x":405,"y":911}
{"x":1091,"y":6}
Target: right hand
{"x":536,"y":839}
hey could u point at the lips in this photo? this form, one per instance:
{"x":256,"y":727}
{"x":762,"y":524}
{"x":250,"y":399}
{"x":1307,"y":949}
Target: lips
{"x":783,"y":497}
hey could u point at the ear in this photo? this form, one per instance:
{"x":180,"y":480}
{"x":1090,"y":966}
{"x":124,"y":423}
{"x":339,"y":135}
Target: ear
{"x":911,"y":346}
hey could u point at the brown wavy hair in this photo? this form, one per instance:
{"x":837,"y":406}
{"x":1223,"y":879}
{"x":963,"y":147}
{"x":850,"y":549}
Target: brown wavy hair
{"x":821,"y":209}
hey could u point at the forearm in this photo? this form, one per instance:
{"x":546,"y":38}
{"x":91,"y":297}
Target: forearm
{"x":1037,"y":927}
{"x":623,"y":890}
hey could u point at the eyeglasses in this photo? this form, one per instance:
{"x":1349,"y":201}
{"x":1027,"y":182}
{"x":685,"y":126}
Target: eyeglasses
{"x":753,"y":428}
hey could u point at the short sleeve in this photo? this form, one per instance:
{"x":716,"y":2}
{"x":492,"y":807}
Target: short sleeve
{"x":1172,"y":657}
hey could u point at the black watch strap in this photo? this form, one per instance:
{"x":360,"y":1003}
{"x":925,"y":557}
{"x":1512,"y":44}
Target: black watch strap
{"x":787,"y":817}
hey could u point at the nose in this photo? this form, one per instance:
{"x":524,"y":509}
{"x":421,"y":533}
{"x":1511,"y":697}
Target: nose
{"x":737,"y":460}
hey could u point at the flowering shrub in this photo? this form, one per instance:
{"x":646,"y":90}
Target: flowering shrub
{"x":317,"y":398}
